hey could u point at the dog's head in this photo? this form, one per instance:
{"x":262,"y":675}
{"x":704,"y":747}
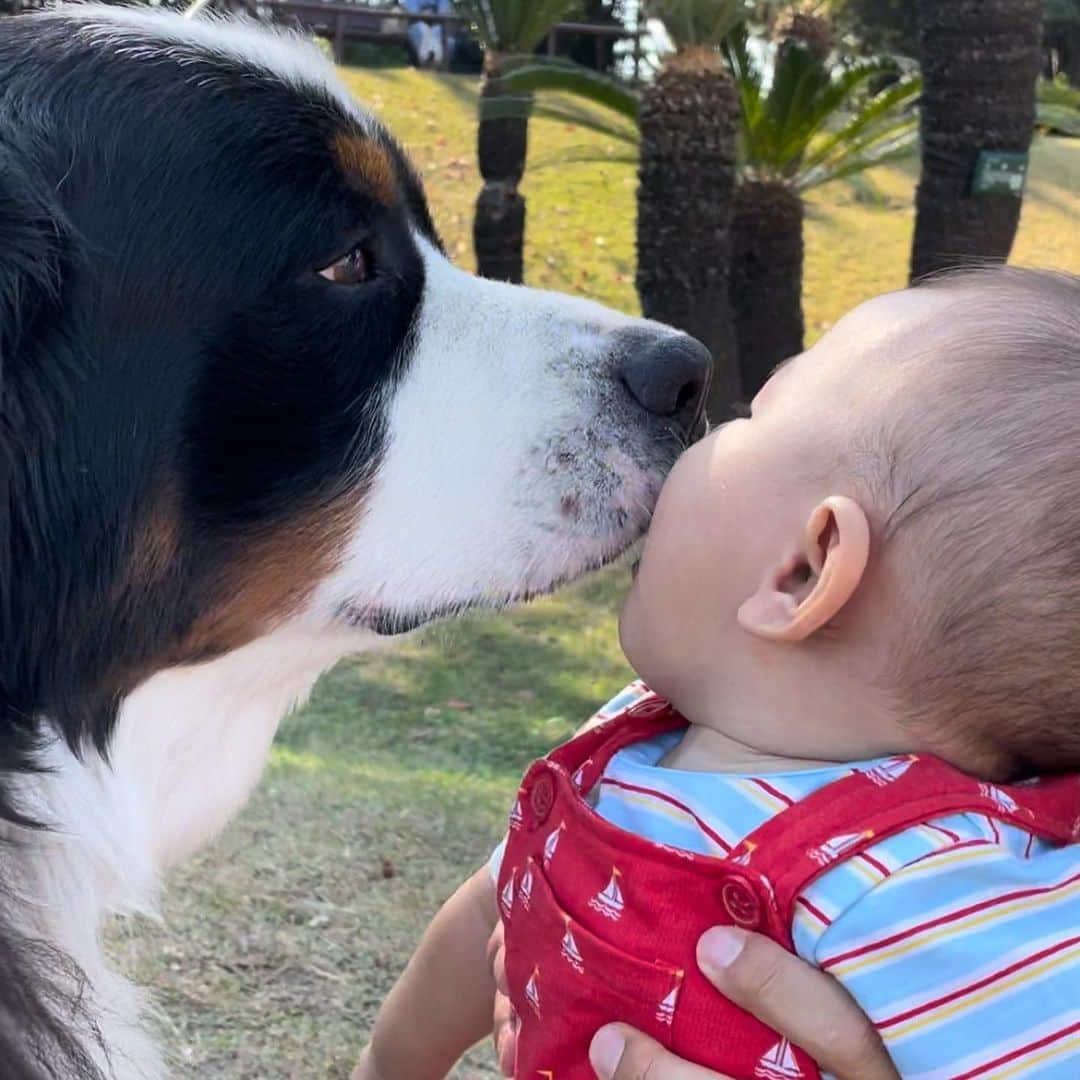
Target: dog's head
{"x":244,"y":387}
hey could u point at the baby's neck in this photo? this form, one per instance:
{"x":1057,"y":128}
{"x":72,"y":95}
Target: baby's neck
{"x":702,"y":749}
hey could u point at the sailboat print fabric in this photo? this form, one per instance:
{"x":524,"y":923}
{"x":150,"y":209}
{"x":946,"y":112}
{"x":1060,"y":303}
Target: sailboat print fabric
{"x":616,"y":865}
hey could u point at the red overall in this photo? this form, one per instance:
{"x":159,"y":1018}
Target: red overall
{"x":602,"y":925}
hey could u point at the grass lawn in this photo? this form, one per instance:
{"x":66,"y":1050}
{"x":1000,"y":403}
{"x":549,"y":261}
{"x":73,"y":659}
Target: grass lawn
{"x":279,"y":941}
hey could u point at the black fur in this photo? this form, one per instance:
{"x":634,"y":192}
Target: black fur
{"x":165,"y":343}
{"x":41,"y":1007}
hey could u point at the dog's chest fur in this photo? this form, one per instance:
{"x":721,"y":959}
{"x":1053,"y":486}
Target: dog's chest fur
{"x":189,"y":746}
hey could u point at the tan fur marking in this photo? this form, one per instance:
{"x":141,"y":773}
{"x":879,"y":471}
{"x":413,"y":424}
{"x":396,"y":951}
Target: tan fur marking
{"x":274,"y":576}
{"x":368,"y":167}
{"x":156,"y":543}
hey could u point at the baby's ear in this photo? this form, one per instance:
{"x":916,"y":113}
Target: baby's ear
{"x":810,"y":586}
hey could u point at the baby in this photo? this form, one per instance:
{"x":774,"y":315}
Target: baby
{"x":857,"y":626}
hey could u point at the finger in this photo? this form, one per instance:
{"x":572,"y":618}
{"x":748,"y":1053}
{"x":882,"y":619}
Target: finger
{"x":507,"y":1050}
{"x":618,"y":1052}
{"x":809,"y":1007}
{"x":501,"y":1017}
{"x":498,"y":970}
{"x":505,"y":1034}
{"x":496,"y":958}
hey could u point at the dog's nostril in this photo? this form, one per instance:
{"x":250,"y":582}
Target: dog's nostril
{"x":689,"y":394}
{"x":667,"y":375}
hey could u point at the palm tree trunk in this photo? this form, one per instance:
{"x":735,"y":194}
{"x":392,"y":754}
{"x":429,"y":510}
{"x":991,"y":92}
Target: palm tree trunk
{"x":766,"y":278}
{"x":980,"y":59}
{"x":501,"y":144}
{"x":688,"y":121}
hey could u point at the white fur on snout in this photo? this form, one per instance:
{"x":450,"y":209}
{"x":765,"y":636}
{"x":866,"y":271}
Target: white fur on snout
{"x":514,"y":460}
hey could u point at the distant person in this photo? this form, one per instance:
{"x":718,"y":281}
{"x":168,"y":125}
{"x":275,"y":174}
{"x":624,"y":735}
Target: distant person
{"x":858,"y":618}
{"x":429,"y":43}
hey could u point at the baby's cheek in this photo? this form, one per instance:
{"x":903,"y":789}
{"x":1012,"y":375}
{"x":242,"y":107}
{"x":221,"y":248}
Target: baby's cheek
{"x":628,"y":622}
{"x":639,"y":625}
{"x":646,"y":629}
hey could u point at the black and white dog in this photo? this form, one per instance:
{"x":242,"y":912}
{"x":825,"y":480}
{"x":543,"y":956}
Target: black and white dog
{"x":251,"y":420}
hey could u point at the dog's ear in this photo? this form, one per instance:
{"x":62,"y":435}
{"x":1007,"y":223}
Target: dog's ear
{"x":31,"y":244}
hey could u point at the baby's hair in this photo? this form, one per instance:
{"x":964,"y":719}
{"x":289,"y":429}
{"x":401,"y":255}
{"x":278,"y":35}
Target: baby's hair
{"x":977,"y":474}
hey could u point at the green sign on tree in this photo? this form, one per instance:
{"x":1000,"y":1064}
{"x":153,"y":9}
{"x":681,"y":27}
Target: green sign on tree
{"x":999,"y":172}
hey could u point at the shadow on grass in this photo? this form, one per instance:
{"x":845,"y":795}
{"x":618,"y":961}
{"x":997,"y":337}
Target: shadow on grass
{"x":466,"y":88}
{"x":480,"y":697}
{"x":1053,"y":195}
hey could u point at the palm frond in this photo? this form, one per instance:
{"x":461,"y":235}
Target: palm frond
{"x":890,"y":107}
{"x":749,"y":80}
{"x":1057,"y":109}
{"x":589,"y":120}
{"x":862,"y":186}
{"x":802,"y":122}
{"x":793,"y":107}
{"x":582,"y":155}
{"x":805,"y":122}
{"x":699,"y":22}
{"x":1058,"y":91}
{"x":564,"y":76}
{"x":513,"y":25}
{"x":826,"y":97}
{"x":897,"y":150}
{"x":1058,"y":119}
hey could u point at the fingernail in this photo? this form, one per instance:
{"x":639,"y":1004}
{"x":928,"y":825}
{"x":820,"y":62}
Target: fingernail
{"x":606,"y":1052}
{"x":720,"y":947}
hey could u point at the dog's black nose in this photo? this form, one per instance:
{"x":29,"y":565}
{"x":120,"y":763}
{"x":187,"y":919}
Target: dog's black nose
{"x":667,"y":375}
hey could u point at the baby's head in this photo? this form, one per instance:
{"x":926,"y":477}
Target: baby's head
{"x":886,"y":555}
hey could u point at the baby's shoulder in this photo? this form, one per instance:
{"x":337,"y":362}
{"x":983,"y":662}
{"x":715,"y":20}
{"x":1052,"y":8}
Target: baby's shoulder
{"x":947,"y":862}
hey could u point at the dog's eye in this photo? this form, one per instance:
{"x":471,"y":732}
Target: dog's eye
{"x":353,"y":268}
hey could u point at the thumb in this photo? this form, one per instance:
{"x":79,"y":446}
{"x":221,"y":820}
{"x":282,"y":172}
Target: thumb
{"x":796,"y":999}
{"x":618,"y":1052}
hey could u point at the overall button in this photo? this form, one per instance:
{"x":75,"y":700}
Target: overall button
{"x":541,"y":799}
{"x":741,"y":902}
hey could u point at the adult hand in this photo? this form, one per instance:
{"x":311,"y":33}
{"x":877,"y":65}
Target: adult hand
{"x":811,"y":1009}
{"x":504,"y":1029}
{"x":801,"y":1002}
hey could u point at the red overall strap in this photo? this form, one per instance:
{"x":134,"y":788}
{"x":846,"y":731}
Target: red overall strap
{"x":845,"y":818}
{"x":586,"y":755}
